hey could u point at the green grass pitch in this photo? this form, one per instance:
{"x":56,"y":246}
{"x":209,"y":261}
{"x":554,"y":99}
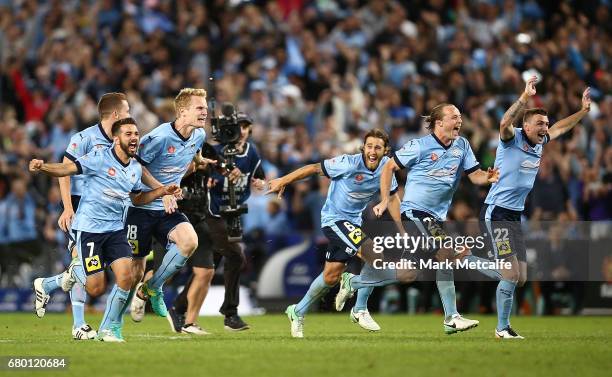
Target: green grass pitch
{"x":406,"y":346}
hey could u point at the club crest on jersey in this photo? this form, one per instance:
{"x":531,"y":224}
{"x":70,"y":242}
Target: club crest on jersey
{"x":171,"y":149}
{"x":434,"y":157}
{"x":73,"y":146}
{"x":359,"y":177}
{"x":525,"y":147}
{"x":111,"y":172}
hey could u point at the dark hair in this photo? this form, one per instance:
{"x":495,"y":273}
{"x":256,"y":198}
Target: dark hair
{"x":379,"y":134}
{"x":535,"y":111}
{"x":437,"y":113}
{"x":110,"y":102}
{"x":117,"y":125}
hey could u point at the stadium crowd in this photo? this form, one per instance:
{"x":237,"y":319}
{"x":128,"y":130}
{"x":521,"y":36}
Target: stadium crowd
{"x":314,"y":76}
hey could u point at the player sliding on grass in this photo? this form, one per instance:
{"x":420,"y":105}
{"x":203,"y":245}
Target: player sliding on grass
{"x":113,"y":178}
{"x":354,"y":183}
{"x":436,"y":163}
{"x":518,"y":158}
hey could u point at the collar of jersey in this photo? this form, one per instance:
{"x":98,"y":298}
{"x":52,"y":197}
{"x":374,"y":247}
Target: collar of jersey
{"x":440,"y":142}
{"x":526,"y":138}
{"x":104,"y":133}
{"x":118,"y":159}
{"x":178,"y":133}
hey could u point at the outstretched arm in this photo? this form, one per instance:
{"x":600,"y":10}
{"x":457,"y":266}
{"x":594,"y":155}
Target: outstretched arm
{"x":65,"y":219}
{"x":278,"y":184}
{"x":566,"y":124}
{"x":506,"y":127}
{"x":481,"y":177}
{"x":143,"y":198}
{"x":54,"y":170}
{"x":385,"y":186}
{"x":394,"y":211}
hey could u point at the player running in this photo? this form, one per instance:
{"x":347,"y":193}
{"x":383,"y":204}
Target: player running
{"x":436,"y":163}
{"x":111,"y":107}
{"x":167,"y":152}
{"x":113,"y":176}
{"x":518,"y":158}
{"x":354,"y":183}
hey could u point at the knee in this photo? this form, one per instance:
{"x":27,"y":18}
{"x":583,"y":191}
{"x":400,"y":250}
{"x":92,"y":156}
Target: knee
{"x":125,"y":280}
{"x":95,"y":289}
{"x":203,"y":275}
{"x":511,"y":275}
{"x":331,"y":277}
{"x":406,"y":276}
{"x":188,"y":244}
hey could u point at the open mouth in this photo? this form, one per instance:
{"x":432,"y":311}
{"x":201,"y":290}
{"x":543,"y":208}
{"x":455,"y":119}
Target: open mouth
{"x":202,"y":119}
{"x":133,"y":146}
{"x":372,"y":158}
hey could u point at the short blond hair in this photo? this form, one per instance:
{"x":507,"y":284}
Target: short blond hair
{"x":183,"y":99}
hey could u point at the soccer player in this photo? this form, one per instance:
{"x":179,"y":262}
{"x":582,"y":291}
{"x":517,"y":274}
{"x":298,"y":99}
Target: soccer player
{"x":247,"y":173}
{"x":167,"y":152}
{"x":436,"y":163}
{"x":518,"y":158}
{"x":113,"y":177}
{"x":354,"y":183}
{"x":111,"y":107}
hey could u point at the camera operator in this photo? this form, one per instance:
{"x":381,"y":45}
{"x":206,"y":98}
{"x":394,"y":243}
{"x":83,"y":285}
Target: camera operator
{"x":247,"y":172}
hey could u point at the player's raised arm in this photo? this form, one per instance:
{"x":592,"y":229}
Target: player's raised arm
{"x":142,"y":198}
{"x":566,"y":124}
{"x":394,"y":211}
{"x":55,"y":169}
{"x":278,"y":184}
{"x":506,"y":127}
{"x":481,"y":177}
{"x":65,"y":219}
{"x":385,"y":186}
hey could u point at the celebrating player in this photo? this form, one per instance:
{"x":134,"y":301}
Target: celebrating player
{"x":167,"y":152}
{"x":113,"y":176}
{"x":354,"y":183}
{"x":111,"y":107}
{"x":436,"y":163}
{"x":518,"y":158}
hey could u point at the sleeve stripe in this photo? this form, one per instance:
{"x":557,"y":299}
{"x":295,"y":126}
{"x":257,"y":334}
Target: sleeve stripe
{"x":509,"y":140}
{"x":69,"y":156}
{"x":79,"y":167}
{"x":323,"y":169}
{"x":141,"y":161}
{"x":472,"y":169}
{"x":136,"y":191}
{"x":392,"y":192}
{"x":397,"y":161}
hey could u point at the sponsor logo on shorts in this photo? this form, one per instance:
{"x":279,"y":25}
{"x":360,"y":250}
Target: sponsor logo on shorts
{"x":93,"y":263}
{"x":134,"y":246}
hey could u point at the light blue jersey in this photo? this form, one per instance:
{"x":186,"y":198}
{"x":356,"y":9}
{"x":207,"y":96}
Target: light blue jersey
{"x":82,"y":143}
{"x":434,"y":171}
{"x":107,"y":194}
{"x":518,"y":162}
{"x":167,"y":155}
{"x":352,"y":187}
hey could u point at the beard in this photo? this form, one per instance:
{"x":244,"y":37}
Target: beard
{"x":126,"y":149}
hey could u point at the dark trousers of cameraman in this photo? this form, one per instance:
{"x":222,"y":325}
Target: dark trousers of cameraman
{"x":234,"y":263}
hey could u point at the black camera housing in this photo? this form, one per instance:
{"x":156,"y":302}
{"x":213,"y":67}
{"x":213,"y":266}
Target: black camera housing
{"x":226,"y":127}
